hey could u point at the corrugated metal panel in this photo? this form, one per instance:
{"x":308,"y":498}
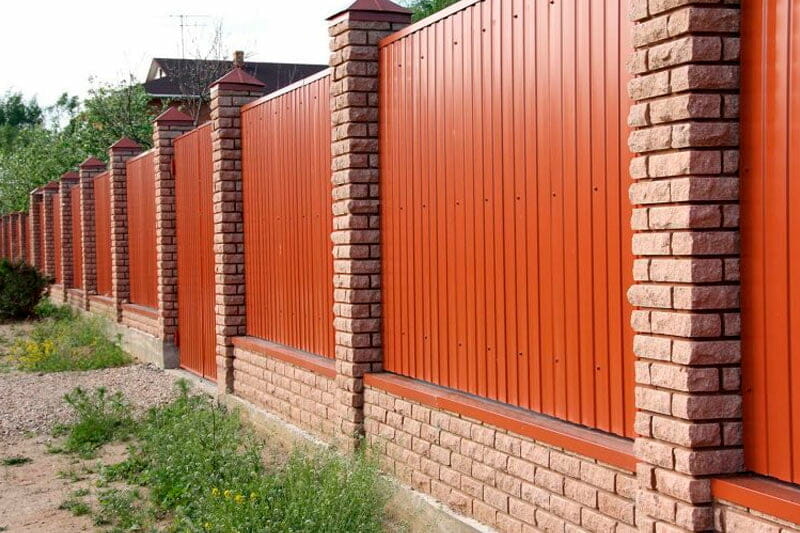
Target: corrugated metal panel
{"x":195,"y":236}
{"x":142,"y":229}
{"x":57,"y":237}
{"x":102,"y":228}
{"x":286,"y":161}
{"x":770,"y":219}
{"x":77,"y":239}
{"x":504,"y":207}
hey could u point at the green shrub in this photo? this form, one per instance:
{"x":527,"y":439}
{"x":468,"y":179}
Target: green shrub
{"x":21,"y":288}
{"x":74,"y":343}
{"x":205,"y":469}
{"x":101,"y":418}
{"x":47,"y":309}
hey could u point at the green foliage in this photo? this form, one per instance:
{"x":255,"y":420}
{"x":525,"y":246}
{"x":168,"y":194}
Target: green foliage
{"x":101,"y":418}
{"x":47,"y":309}
{"x":206,"y":470}
{"x":68,"y":132}
{"x":425,"y":8}
{"x":125,"y":510}
{"x":75,"y":506}
{"x":21,"y":288}
{"x":15,"y":113}
{"x":16,"y":460}
{"x":70,"y":342}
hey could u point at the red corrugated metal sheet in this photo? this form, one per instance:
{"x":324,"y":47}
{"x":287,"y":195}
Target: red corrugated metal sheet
{"x":102,"y":228}
{"x":286,"y":161}
{"x":77,"y":240}
{"x":195,"y":236}
{"x":506,"y":240}
{"x":57,"y":237}
{"x":770,"y":193}
{"x":142,"y":229}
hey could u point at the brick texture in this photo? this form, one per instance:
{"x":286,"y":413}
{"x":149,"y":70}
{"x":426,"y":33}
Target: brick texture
{"x":734,"y":518}
{"x":357,"y":295}
{"x":228,"y":94}
{"x":49,"y":259}
{"x":505,"y":480}
{"x":87,"y":172}
{"x":169,"y":125}
{"x":297,"y":395}
{"x":65,"y":185}
{"x":118,"y":154}
{"x":686,"y":136}
{"x":140,"y":321}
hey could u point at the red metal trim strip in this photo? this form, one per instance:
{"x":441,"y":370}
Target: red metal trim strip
{"x":105,"y":300}
{"x":609,"y":449}
{"x":316,"y":363}
{"x":767,"y":496}
{"x":428,"y":21}
{"x":149,"y":312}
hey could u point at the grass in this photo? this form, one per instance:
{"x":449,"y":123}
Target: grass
{"x":65,"y":341}
{"x":102,"y":418}
{"x":76,"y":507}
{"x":203,"y":471}
{"x":16,"y":460}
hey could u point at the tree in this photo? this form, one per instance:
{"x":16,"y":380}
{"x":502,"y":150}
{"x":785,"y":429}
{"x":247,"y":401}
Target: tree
{"x":425,"y":8}
{"x":16,"y":114}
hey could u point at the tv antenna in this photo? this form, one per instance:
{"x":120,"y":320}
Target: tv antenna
{"x":182,"y":22}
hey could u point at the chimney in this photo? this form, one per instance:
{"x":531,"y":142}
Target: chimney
{"x":238,"y":59}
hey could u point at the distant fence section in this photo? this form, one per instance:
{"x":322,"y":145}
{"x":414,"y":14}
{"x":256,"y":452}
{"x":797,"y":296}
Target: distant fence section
{"x":102,"y":228}
{"x":286,"y":162}
{"x":141,"y":198}
{"x":504,"y":208}
{"x":57,"y":238}
{"x":77,"y":251}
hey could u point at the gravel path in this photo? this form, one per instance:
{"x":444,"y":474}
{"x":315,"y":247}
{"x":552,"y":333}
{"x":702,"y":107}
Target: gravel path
{"x":33,"y":403}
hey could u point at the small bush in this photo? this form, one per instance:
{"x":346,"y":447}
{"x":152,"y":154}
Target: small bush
{"x":21,"y":288}
{"x":73,"y":343}
{"x":16,"y":460}
{"x":101,"y":418}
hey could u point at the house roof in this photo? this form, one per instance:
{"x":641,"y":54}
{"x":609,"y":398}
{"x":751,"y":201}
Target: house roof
{"x":273,"y":75}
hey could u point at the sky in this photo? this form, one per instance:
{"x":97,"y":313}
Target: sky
{"x":56,"y":46}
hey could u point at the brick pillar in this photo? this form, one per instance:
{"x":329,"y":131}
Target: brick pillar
{"x":228,"y":94}
{"x":22,"y":227}
{"x":49,"y":259}
{"x":686,"y":243}
{"x":355,"y":33}
{"x":65,"y":185}
{"x":118,"y":154}
{"x":87,"y":171}
{"x":16,"y":222}
{"x":34,"y":221}
{"x":166,"y":127}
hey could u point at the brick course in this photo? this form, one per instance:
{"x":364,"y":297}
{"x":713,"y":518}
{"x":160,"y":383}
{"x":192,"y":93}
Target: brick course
{"x":87,"y":171}
{"x":34,"y":246}
{"x":686,"y":293}
{"x":65,"y":185}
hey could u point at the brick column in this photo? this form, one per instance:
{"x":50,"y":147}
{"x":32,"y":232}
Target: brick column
{"x":355,"y":33}
{"x":228,"y":94}
{"x":118,"y":154}
{"x":15,"y":241}
{"x":166,"y":127}
{"x":686,"y":243}
{"x":87,"y":171}
{"x":23,"y":228}
{"x":65,"y":185}
{"x":49,"y":260}
{"x":35,"y":209}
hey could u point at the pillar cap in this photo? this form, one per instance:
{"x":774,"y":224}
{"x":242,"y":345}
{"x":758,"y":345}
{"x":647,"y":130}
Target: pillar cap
{"x":70,"y":176}
{"x":125,"y":144}
{"x":52,"y":186}
{"x":374,"y":11}
{"x":92,"y":162}
{"x":173,"y":115}
{"x":238,"y":78}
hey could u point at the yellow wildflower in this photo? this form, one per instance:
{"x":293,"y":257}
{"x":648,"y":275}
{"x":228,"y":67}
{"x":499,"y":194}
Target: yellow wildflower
{"x":227,"y":494}
{"x":238,"y":498}
{"x":215,"y":491}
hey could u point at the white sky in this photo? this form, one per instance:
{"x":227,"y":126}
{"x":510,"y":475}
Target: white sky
{"x":49,"y":47}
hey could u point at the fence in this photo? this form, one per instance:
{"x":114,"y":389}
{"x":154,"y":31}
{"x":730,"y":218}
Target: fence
{"x":142,"y":230}
{"x":287,"y":217}
{"x":102,"y":228}
{"x":76,"y":229}
{"x":444,"y":244}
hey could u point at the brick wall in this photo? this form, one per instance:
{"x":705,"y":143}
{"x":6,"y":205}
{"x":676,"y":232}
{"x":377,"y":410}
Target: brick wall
{"x":734,"y":518}
{"x":355,"y":34}
{"x":87,"y":171}
{"x":296,"y":394}
{"x":502,"y":479}
{"x":65,"y":185}
{"x":140,"y":321}
{"x":49,"y":265}
{"x":228,"y":94}
{"x":34,"y":250}
{"x":686,"y":240}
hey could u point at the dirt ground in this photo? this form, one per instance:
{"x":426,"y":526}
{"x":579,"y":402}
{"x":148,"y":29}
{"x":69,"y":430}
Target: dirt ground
{"x":31,"y":493}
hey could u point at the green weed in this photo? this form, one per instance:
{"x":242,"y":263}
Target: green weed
{"x":75,"y":506}
{"x":17,"y":460}
{"x":68,"y":343}
{"x":101,"y":418}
